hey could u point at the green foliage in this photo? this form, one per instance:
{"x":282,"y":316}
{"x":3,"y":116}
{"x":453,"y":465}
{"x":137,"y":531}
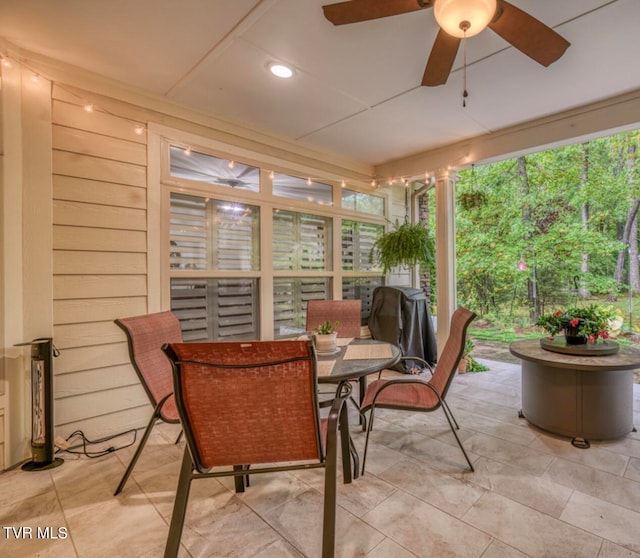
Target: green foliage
{"x":469,"y":345}
{"x":561,"y":210}
{"x":474,"y":366}
{"x":327,"y":328}
{"x":407,"y":245}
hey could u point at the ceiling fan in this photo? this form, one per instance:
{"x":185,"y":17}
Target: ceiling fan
{"x":459,"y":19}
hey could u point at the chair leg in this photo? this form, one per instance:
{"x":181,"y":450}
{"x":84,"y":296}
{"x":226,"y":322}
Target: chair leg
{"x":345,"y":445}
{"x":445,"y":404}
{"x":179,"y":437}
{"x":366,"y":440}
{"x":136,"y":455}
{"x":362,"y":388}
{"x":355,"y":457}
{"x":239,"y":479}
{"x":179,"y":506}
{"x":449,"y":419}
{"x":330,"y":496}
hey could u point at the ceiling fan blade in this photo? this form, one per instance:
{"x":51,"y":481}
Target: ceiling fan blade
{"x":364,"y":10}
{"x":441,"y":59}
{"x":527,"y":34}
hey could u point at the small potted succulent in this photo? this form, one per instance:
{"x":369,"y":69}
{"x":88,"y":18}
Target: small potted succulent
{"x":326,"y":336}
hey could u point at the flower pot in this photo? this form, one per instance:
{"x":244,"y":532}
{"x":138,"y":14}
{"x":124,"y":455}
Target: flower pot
{"x":326,"y":343}
{"x":573,"y":337}
{"x":462,"y":366}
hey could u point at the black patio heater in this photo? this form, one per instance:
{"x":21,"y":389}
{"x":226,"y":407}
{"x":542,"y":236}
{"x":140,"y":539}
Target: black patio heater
{"x":42,"y":442}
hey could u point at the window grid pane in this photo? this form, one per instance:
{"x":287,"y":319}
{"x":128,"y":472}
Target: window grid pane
{"x":213,"y":235}
{"x":362,"y":288}
{"x":295,"y":188}
{"x":216,"y":309}
{"x":202,"y":167}
{"x":363,"y":203}
{"x":301,"y":242}
{"x":358,"y":239}
{"x":290,"y":297}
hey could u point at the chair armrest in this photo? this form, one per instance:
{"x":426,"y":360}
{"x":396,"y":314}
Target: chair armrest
{"x":406,"y":380}
{"x":423,"y":362}
{"x":336,"y":407}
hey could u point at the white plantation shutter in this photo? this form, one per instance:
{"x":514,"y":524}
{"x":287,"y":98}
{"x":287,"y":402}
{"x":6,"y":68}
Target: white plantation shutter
{"x":362,"y":288}
{"x":188,"y":235}
{"x":216,"y":309}
{"x":214,"y":235}
{"x":358,"y":239}
{"x":300,"y":241}
{"x":290,"y":297}
{"x":235,"y":231}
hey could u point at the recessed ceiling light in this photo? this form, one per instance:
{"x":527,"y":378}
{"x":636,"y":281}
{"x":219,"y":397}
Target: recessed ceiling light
{"x":280,"y":70}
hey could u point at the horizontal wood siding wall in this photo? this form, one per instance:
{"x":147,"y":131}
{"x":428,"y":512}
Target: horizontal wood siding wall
{"x":99,"y":266}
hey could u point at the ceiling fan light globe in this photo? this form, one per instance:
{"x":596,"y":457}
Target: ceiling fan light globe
{"x":455,"y":15}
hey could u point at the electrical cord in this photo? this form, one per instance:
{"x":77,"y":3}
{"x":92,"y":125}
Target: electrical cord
{"x":86,"y":441}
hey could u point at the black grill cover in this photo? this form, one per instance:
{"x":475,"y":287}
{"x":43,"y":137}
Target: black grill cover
{"x":400,"y":315}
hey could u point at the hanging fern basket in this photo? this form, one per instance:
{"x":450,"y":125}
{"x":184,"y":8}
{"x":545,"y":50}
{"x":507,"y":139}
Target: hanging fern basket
{"x":407,"y":245}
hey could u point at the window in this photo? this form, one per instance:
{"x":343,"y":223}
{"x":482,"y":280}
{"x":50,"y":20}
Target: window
{"x":364,"y":203}
{"x":362,"y":288}
{"x":307,"y":190}
{"x":290,"y":297}
{"x":214,"y":235}
{"x":210,"y":234}
{"x":358,"y":239}
{"x":201,"y":167}
{"x":230,"y":237}
{"x":301,"y":241}
{"x":363,"y":277}
{"x":216,"y":309}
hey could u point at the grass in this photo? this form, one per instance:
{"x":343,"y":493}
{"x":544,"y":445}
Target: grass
{"x":500,"y":334}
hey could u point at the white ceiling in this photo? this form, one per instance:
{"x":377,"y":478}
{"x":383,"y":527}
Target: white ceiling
{"x":357,"y":87}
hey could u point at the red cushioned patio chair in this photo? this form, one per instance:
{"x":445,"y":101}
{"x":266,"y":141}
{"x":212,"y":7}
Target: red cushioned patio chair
{"x":253,"y":404}
{"x":145,"y":337}
{"x":418,"y":394}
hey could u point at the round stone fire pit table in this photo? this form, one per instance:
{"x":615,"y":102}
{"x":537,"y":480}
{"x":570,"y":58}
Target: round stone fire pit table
{"x":582,"y":397}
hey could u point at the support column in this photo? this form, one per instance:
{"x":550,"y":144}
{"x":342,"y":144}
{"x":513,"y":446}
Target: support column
{"x":14,"y":386}
{"x":446,"y":298}
{"x":26,"y":289}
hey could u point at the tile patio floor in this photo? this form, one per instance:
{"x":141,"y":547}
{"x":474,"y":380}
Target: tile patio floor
{"x":532,"y":494}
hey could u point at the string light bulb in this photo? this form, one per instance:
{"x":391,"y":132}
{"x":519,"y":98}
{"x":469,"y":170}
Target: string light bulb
{"x":35,"y":78}
{"x":88,"y":107}
{"x":187,"y":151}
{"x":309,"y":181}
{"x":272,"y":175}
{"x":231,"y":164}
{"x":6,"y":63}
{"x":139,"y":129}
{"x":342,"y":184}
